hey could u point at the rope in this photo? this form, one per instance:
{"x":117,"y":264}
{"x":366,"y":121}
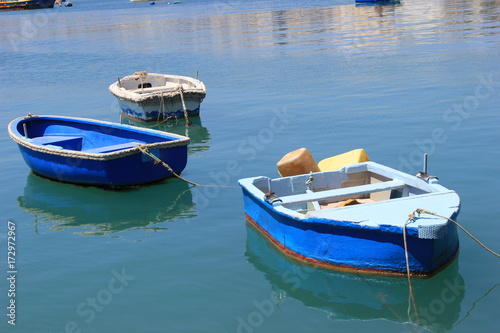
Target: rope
{"x":158,"y":123}
{"x":423,"y":211}
{"x":411,"y":296}
{"x":474,"y":305}
{"x":159,"y":161}
{"x":161,"y":110}
{"x":412,"y":217}
{"x":181,"y":92}
{"x":156,"y":159}
{"x":142,"y":84}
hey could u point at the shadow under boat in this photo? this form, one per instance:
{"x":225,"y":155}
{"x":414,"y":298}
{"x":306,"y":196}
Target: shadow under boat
{"x":98,"y":211}
{"x":351,"y":296}
{"x":193,"y":129}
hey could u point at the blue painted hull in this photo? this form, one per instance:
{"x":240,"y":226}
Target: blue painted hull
{"x":349,"y":247}
{"x":159,"y":112}
{"x":28,"y":4}
{"x":366,"y":237}
{"x":85,"y":158}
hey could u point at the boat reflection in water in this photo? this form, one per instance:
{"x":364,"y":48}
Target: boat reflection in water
{"x":194,"y":130}
{"x":349,"y":296}
{"x":96,"y":211}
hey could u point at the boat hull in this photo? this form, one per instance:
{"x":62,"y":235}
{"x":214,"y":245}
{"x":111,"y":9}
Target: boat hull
{"x":130,"y":170}
{"x":80,"y":165}
{"x":160,"y":108}
{"x":347,"y":241}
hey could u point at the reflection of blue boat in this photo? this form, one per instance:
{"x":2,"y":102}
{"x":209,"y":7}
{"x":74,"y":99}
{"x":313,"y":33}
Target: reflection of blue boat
{"x":91,"y":152}
{"x":345,"y":296}
{"x":354,"y":219}
{"x":60,"y":206}
{"x":26,"y":4}
{"x":194,"y":129}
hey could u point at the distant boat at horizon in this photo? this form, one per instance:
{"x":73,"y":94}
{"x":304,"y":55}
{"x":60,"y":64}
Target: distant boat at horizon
{"x":26,"y":4}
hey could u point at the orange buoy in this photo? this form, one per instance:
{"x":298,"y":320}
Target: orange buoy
{"x":297,"y":162}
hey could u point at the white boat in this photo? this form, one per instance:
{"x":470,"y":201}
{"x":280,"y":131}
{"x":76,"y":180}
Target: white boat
{"x":151,"y":97}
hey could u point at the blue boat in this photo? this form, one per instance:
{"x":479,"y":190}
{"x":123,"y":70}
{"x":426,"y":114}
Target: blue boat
{"x":356,"y":219}
{"x":360,"y":3}
{"x":92,"y":152}
{"x":377,"y":1}
{"x":26,"y":4}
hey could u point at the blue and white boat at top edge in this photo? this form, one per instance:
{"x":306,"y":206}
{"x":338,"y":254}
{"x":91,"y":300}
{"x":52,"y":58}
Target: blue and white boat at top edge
{"x":25,"y":4}
{"x":378,"y":1}
{"x":92,"y":152}
{"x":308,"y":217}
{"x":152,"y":97}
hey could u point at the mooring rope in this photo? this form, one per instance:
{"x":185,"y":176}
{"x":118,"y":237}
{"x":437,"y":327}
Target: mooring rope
{"x":412,"y":217}
{"x":423,"y":211}
{"x":161,"y":110}
{"x":181,"y":93}
{"x":473,"y":307}
{"x":184,"y":109}
{"x":411,"y":296}
{"x":158,"y":122}
{"x":146,"y":152}
{"x":156,"y":159}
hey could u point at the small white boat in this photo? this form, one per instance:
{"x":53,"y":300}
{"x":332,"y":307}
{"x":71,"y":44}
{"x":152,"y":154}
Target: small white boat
{"x":151,"y":97}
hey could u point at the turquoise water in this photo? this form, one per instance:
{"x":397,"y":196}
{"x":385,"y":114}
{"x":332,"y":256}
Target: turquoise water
{"x":397,"y":80}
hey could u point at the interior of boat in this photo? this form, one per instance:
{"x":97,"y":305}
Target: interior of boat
{"x":81,"y":137}
{"x":332,"y":189}
{"x":153,"y":83}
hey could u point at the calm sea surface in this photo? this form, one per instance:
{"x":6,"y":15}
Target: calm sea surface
{"x":397,"y":80}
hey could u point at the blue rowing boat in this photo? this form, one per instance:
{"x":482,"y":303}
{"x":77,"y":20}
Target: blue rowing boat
{"x":378,"y":1}
{"x":91,"y":152}
{"x":357,"y":219}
